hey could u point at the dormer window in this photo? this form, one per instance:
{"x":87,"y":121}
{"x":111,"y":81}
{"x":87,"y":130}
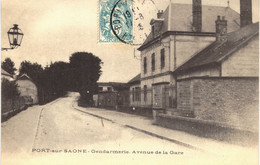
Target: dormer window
{"x":156,"y":25}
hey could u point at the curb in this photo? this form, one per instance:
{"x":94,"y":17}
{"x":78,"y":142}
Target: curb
{"x":166,"y":138}
{"x":147,"y":132}
{"x":95,"y":115}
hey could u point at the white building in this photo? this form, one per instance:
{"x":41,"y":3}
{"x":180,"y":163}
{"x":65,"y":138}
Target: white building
{"x":27,"y":88}
{"x":177,"y":34}
{"x":6,"y":75}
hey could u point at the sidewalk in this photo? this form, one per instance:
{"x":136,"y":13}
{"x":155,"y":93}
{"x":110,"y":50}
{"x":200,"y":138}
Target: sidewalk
{"x":145,"y":125}
{"x":19,"y":132}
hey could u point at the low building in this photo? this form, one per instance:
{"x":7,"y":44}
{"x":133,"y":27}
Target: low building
{"x":220,"y":83}
{"x":27,"y":88}
{"x":105,"y":86}
{"x":112,"y":95}
{"x":6,"y":75}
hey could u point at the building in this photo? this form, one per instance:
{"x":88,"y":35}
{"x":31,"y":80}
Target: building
{"x":111,"y":86}
{"x":6,"y":75}
{"x":177,"y":34}
{"x":135,"y":91}
{"x":112,"y":95}
{"x":27,"y":88}
{"x":220,"y":83}
{"x":105,"y":86}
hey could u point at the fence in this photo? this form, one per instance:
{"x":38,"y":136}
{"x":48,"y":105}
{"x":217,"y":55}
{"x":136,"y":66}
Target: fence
{"x":9,"y":107}
{"x":138,"y":100}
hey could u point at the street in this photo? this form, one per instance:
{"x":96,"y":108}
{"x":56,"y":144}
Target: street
{"x":58,"y":133}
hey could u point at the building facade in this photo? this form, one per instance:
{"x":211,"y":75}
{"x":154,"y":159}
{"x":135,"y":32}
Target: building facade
{"x":27,"y":88}
{"x":112,"y":95}
{"x":135,"y":91}
{"x":6,"y":75}
{"x":105,"y":86}
{"x":177,"y":34}
{"x":220,"y":83}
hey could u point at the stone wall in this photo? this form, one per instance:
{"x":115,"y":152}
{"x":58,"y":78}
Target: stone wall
{"x":231,"y":101}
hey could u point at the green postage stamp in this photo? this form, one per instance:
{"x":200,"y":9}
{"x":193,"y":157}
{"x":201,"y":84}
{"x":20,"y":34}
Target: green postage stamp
{"x":116,"y":21}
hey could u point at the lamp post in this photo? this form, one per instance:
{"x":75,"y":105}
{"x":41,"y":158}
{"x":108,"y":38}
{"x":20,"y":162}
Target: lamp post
{"x":15,"y":36}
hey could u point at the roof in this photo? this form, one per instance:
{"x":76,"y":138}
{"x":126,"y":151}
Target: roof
{"x":24,"y":77}
{"x":104,"y":84}
{"x":3,"y":72}
{"x":181,"y":19}
{"x":113,"y":84}
{"x":218,"y":51}
{"x":135,"y":80}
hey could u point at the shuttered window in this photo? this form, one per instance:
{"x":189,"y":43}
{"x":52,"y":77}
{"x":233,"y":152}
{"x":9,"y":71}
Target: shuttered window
{"x":153,"y":62}
{"x":162,"y":59}
{"x":145,"y":65}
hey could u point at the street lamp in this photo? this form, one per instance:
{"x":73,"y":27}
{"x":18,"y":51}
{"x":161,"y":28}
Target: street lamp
{"x":15,"y":36}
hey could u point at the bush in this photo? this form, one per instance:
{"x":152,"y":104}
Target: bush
{"x":9,"y":90}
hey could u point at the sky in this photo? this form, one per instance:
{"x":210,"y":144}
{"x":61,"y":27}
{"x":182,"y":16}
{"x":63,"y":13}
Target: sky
{"x":55,"y":29}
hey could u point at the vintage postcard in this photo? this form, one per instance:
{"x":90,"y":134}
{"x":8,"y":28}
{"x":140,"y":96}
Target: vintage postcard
{"x":129,"y":82}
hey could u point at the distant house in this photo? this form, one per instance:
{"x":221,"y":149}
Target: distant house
{"x":105,"y":86}
{"x":112,"y":95}
{"x":220,"y":83}
{"x":27,"y":88}
{"x":6,"y":75}
{"x":111,"y":86}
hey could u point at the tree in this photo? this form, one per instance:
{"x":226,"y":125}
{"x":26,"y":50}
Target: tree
{"x":8,"y":65}
{"x":9,"y":89}
{"x":81,"y":74}
{"x":85,"y":70}
{"x":56,"y":78}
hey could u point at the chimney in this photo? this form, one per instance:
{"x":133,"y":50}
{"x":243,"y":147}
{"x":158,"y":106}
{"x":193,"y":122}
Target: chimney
{"x":160,"y":13}
{"x":245,"y":12}
{"x":221,"y":28}
{"x":197,"y":15}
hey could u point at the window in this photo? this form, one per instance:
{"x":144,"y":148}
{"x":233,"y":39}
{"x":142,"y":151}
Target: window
{"x":162,"y":59}
{"x":133,"y":94}
{"x":109,"y":89}
{"x":137,"y":93}
{"x":145,"y":93}
{"x":153,"y":62}
{"x":153,"y":31}
{"x":145,"y":65}
{"x":100,"y":88}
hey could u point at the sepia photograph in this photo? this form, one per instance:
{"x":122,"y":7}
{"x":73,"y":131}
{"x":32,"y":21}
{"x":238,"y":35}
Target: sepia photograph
{"x":130,"y":82}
